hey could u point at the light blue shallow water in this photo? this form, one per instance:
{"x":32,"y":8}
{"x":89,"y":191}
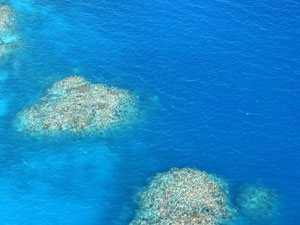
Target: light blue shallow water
{"x":219,"y":82}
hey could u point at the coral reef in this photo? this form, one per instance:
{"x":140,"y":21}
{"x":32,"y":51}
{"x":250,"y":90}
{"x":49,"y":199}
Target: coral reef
{"x":9,"y":39}
{"x":184,"y":196}
{"x":257,"y":202}
{"x":75,"y":106}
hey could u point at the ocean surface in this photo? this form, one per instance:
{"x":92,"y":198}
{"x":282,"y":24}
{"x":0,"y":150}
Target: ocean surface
{"x":219,"y":83}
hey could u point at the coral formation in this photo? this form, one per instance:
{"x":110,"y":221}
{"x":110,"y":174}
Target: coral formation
{"x":73,"y":105}
{"x":257,"y":202}
{"x":8,"y":37}
{"x":184,"y":196}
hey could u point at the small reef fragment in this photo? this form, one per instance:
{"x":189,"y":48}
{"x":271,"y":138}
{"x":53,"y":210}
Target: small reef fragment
{"x":9,"y":40}
{"x":6,"y":19}
{"x":184,"y":196}
{"x":257,"y":202}
{"x":75,"y":106}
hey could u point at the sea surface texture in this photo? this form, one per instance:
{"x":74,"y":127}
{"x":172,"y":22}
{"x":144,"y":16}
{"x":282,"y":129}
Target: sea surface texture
{"x":219,"y":89}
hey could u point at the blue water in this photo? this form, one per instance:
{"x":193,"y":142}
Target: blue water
{"x":219,"y":84}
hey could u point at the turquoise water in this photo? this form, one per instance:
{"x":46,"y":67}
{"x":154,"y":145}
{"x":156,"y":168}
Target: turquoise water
{"x":219,"y":84}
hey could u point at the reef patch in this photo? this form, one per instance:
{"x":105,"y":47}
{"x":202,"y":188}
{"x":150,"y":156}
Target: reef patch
{"x":75,"y":106}
{"x":184,"y":196}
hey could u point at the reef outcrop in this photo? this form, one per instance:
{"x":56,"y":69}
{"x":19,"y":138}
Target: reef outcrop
{"x":184,"y":196}
{"x":75,"y":106}
{"x":257,"y":202}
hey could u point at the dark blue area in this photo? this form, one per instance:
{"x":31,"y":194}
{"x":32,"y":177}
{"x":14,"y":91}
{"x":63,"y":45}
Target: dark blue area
{"x":219,"y":80}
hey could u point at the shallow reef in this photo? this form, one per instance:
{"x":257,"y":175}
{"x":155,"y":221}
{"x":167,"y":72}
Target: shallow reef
{"x":75,"y":106}
{"x":9,"y":39}
{"x":184,"y":196}
{"x":257,"y":202}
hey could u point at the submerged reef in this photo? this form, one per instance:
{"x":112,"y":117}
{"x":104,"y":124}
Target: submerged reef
{"x":75,"y":106}
{"x":257,"y":202}
{"x":9,"y":39}
{"x":184,"y":196}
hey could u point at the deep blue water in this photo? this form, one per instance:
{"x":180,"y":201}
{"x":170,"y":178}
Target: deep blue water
{"x":219,"y":83}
